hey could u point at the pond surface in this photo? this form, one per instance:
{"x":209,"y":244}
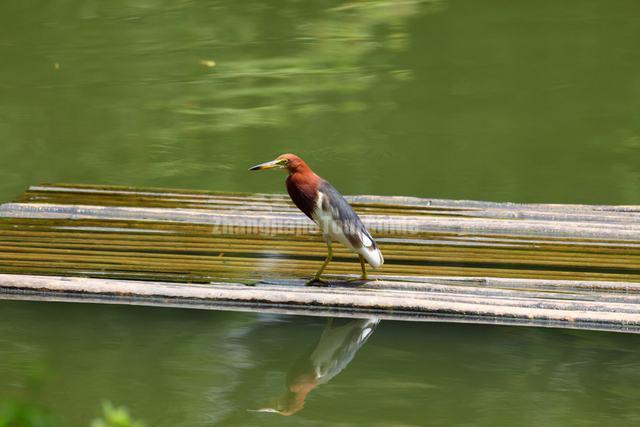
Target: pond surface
{"x":527,"y":101}
{"x":196,"y":368}
{"x":460,"y":99}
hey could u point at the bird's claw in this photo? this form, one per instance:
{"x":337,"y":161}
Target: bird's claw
{"x":362,"y":279}
{"x":316,"y":281}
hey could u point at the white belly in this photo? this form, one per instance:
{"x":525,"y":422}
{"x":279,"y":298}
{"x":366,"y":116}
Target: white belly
{"x":332,"y":231}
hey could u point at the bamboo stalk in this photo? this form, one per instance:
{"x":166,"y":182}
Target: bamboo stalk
{"x":603,"y":315}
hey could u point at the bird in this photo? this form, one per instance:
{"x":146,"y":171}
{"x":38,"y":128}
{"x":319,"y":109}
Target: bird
{"x":339,"y":343}
{"x":324,"y":205}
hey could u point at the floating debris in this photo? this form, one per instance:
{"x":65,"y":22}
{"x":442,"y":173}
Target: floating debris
{"x":208,"y":63}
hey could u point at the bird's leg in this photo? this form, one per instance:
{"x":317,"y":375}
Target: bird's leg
{"x":364,"y":276}
{"x":317,"y":278}
{"x":364,"y":268}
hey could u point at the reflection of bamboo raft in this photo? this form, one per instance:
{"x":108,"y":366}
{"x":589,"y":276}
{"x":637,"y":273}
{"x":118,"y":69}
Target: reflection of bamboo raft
{"x":576,"y":266}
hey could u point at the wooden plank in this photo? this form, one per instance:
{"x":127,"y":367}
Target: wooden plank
{"x":524,"y":263}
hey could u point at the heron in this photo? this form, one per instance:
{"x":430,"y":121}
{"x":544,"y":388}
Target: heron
{"x":324,"y":205}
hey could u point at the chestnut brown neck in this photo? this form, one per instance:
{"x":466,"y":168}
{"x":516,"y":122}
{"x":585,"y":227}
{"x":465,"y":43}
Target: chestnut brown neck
{"x":297,"y":165}
{"x":303,"y":176}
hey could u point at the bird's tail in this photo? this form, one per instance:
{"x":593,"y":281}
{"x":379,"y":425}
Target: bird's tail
{"x":373,"y":256}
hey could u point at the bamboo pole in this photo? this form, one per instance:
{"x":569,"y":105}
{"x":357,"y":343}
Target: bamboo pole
{"x":550,"y":264}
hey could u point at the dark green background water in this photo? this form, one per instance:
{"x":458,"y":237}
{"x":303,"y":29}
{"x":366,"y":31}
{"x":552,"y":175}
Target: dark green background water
{"x":534,"y":101}
{"x":501,"y":100}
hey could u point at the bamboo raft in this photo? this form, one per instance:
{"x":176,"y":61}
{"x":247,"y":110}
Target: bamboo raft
{"x":572,"y":266}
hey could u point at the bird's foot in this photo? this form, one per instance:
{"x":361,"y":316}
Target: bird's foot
{"x":361,"y":279}
{"x":317,"y":281}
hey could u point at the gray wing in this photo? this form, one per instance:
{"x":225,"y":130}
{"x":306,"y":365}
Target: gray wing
{"x":345,"y":216}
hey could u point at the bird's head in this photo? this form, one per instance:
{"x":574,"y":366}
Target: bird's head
{"x":293,"y":400}
{"x":285,"y":405}
{"x":290,"y":162}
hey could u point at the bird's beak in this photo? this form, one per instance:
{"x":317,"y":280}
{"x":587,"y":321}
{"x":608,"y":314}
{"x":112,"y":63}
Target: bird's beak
{"x":268,"y":410}
{"x":268,"y":165}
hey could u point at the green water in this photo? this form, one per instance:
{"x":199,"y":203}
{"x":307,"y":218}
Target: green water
{"x":534,"y":101}
{"x":521,"y":101}
{"x":197,"y":368}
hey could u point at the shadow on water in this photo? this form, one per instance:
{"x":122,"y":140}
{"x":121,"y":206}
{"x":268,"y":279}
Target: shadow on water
{"x":341,"y":339}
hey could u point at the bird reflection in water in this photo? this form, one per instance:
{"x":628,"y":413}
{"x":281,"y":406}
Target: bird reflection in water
{"x":340,"y":341}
